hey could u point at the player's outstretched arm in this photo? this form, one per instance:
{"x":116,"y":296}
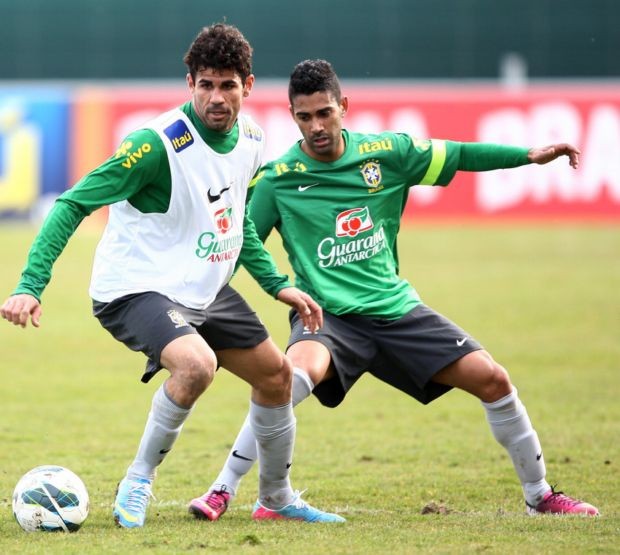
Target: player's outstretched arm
{"x":549,"y":153}
{"x":18,"y":308}
{"x":310,"y":312}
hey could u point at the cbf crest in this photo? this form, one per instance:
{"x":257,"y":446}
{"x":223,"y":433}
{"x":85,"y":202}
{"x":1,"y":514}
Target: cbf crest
{"x":177,"y":318}
{"x":371,"y":171}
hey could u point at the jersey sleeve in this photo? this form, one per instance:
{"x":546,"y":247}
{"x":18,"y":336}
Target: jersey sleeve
{"x":109,"y":183}
{"x":479,"y":157}
{"x":262,"y":202}
{"x":258,"y":223}
{"x":435,"y":161}
{"x":123,"y":175}
{"x":258,"y":261}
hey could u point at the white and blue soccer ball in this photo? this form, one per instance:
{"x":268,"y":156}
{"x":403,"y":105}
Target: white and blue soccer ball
{"x":51,"y":499}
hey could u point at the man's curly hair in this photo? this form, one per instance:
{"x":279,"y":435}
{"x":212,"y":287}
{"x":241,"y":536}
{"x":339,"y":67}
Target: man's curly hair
{"x":220,"y":47}
{"x":312,"y":76}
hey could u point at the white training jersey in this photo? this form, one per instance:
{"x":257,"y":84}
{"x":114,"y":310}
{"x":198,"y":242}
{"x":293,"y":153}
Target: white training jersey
{"x":189,"y":252}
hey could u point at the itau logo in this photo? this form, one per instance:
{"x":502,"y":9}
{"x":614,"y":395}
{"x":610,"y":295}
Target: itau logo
{"x":223,"y":219}
{"x":351,"y":222}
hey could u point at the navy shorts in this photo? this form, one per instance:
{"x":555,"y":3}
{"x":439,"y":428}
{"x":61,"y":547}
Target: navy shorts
{"x":405,"y":353}
{"x":147,"y":322}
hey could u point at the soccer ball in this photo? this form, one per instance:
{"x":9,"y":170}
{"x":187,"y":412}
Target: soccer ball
{"x":50,"y":498}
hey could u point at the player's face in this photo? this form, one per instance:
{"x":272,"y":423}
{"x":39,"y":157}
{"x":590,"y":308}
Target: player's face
{"x":217,"y":96}
{"x":319,"y":118}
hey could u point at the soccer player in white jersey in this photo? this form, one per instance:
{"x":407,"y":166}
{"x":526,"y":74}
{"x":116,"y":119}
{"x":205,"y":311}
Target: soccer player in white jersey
{"x":177,"y":192}
{"x":336,"y":198}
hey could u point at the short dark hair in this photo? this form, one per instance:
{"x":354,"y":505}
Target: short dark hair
{"x":220,"y":47}
{"x":312,"y":76}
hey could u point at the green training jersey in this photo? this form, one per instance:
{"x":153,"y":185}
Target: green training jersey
{"x":339,"y":220}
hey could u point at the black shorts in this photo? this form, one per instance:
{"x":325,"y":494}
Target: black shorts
{"x":147,"y":322}
{"x":405,"y":353}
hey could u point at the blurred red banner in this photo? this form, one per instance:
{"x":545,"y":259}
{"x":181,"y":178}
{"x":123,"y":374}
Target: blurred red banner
{"x":585,"y":116}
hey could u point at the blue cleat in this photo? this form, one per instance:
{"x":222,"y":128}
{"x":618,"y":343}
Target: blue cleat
{"x":297,"y":510}
{"x":132,"y":498}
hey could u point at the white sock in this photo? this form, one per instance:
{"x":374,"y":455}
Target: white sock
{"x":274,"y":429}
{"x":243,"y":452}
{"x":163,"y":426}
{"x":513,"y":429}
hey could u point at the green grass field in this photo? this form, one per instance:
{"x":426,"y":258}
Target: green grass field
{"x":545,"y":301}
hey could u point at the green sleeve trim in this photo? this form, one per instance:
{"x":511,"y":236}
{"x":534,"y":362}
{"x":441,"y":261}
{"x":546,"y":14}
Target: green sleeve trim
{"x":437,"y":162}
{"x":257,"y":177}
{"x":28,"y":289}
{"x":280,"y":286}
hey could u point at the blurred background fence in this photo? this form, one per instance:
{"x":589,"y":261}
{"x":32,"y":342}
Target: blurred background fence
{"x":76,"y":76}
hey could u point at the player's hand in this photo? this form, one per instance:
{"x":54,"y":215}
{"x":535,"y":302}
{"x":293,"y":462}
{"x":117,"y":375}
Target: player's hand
{"x":310,"y":312}
{"x":549,"y":153}
{"x":18,"y":308}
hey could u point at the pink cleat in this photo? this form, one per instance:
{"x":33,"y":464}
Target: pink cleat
{"x":555,"y":502}
{"x":211,"y":506}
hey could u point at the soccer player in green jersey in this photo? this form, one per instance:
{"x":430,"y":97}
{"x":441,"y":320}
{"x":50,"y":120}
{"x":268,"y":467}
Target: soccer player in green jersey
{"x":177,"y":223}
{"x":336,"y":198}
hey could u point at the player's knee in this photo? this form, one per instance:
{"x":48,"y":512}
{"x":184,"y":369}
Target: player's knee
{"x":202,"y":374}
{"x":311,"y":370}
{"x":316,"y":373}
{"x":278,"y":379}
{"x":497,"y":383}
{"x":316,"y":367}
{"x":196,"y":371}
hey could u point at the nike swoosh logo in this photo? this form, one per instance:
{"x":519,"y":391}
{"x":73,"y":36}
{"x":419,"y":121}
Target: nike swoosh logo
{"x":461,"y":342}
{"x":538,"y":456}
{"x":215,"y":198}
{"x":236,"y":454}
{"x":303,"y":188}
{"x":164,"y":451}
{"x":288,"y":465}
{"x":125,"y":514}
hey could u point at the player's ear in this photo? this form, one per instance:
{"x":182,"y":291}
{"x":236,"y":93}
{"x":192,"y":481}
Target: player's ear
{"x":190,"y":81}
{"x":344,"y":105}
{"x":249,"y":83}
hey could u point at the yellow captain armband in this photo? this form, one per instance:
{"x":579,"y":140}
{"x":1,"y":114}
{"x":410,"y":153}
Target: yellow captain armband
{"x":438,"y":160}
{"x":256,"y":179}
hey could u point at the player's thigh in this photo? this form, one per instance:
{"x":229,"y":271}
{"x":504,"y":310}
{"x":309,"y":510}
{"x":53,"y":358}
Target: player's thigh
{"x":415,"y":348}
{"x":263,"y":366}
{"x":231,"y":324}
{"x":147,"y":322}
{"x":262,"y":360}
{"x":344,"y":347}
{"x":189,"y":354}
{"x":478,"y":374}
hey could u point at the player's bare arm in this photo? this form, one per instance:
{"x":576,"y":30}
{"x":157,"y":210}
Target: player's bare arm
{"x":549,"y":153}
{"x":310,"y":312}
{"x":18,"y":308}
